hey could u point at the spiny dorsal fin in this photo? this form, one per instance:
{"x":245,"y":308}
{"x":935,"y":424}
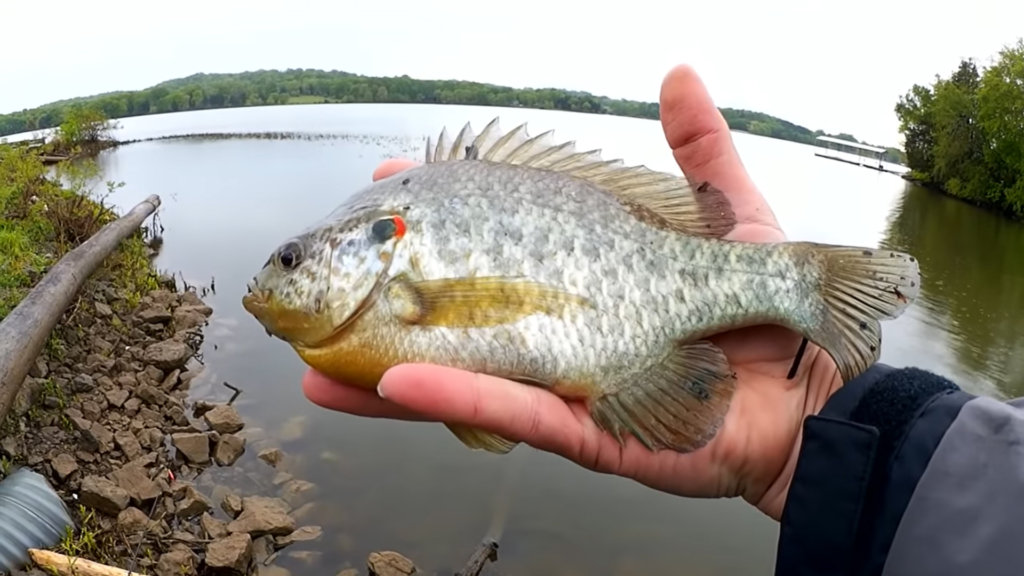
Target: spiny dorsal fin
{"x":657,"y":198}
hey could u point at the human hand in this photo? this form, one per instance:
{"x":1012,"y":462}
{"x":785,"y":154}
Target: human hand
{"x":754,"y":453}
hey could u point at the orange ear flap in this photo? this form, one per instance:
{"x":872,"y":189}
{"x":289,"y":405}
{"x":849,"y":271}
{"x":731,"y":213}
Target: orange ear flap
{"x":399,"y":226}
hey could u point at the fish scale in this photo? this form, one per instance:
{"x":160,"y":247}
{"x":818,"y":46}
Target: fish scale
{"x":523,"y":258}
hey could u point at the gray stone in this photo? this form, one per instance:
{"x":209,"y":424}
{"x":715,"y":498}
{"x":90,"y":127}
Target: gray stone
{"x":214,"y":528}
{"x":228,"y":449}
{"x":231,"y":505}
{"x":389,"y":563}
{"x":224,"y":419}
{"x":194,"y":446}
{"x":128,"y":444}
{"x":116,"y":397}
{"x":103,"y":495}
{"x":82,"y":383}
{"x":271,"y":456}
{"x":177,"y":562}
{"x":64,"y":465}
{"x":154,"y":314}
{"x":262,"y":515}
{"x":132,"y":520}
{"x":151,"y":395}
{"x":303,"y":534}
{"x":192,"y":503}
{"x":134,"y":480}
{"x":167,"y":355}
{"x":39,"y":368}
{"x":231,"y":553}
{"x":103,"y":310}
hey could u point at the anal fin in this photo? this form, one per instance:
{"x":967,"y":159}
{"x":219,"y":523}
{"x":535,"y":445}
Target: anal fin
{"x":678,"y":401}
{"x":478,"y":439}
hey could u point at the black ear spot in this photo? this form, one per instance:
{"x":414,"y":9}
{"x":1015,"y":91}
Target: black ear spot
{"x":387,"y":228}
{"x":383,"y":229}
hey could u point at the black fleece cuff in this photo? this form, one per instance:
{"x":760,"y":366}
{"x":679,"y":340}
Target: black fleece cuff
{"x":887,"y":399}
{"x":847,"y":495}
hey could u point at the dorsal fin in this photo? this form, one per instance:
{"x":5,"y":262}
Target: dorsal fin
{"x":657,"y":198}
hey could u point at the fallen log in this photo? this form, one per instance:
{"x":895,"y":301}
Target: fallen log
{"x":24,"y":332}
{"x":61,"y":565}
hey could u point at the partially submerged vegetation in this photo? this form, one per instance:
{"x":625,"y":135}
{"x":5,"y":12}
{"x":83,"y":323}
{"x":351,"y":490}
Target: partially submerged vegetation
{"x":965,"y":134}
{"x":304,"y":86}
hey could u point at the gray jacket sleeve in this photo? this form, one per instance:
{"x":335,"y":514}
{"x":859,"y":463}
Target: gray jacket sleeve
{"x":903,"y":473}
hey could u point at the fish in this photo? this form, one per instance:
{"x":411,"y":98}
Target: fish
{"x":602,"y":282}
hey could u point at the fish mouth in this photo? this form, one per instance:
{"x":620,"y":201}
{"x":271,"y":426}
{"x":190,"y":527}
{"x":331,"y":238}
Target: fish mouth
{"x":257,"y":302}
{"x":254,"y":299}
{"x":302,"y":328}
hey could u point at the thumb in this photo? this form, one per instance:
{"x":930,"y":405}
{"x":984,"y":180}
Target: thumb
{"x":392,"y":166}
{"x":702,"y":146}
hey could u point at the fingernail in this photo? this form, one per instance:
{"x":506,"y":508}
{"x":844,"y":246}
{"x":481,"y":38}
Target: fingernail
{"x":380,"y":391}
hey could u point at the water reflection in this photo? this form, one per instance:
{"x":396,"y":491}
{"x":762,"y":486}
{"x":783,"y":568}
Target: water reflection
{"x":973,"y":285}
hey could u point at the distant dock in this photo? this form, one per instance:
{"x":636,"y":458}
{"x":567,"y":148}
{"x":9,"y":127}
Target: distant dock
{"x":859,"y":152}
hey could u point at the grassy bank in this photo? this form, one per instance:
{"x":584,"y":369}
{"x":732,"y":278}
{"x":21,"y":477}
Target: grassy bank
{"x":41,"y":220}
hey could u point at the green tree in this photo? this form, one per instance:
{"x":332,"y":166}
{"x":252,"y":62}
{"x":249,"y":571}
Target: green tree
{"x":1001,"y":116}
{"x":965,"y":134}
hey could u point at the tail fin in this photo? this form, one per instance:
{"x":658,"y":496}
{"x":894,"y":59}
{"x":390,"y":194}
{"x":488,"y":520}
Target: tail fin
{"x":859,"y":288}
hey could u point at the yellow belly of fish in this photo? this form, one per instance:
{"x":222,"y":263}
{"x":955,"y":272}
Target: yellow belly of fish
{"x":349,"y":360}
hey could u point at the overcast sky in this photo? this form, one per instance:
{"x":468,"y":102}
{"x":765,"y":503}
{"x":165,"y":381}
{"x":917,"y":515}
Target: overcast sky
{"x":838,"y":66}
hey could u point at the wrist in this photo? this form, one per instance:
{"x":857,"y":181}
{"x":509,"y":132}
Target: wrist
{"x":822,"y":380}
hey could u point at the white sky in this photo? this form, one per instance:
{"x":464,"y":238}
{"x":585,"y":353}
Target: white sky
{"x":838,"y":66}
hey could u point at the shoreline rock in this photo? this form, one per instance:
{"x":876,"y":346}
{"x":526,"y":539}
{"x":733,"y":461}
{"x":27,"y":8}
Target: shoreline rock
{"x":105,"y":414}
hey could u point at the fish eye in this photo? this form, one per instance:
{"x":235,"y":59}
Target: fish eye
{"x":387,"y":228}
{"x":290,"y":255}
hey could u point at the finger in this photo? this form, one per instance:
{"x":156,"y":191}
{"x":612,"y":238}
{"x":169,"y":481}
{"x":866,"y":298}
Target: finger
{"x":324,"y":392}
{"x":702,"y":145}
{"x":392,"y":166}
{"x":517,"y":411}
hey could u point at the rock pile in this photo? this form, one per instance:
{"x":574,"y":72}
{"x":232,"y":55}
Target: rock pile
{"x":107,"y":417}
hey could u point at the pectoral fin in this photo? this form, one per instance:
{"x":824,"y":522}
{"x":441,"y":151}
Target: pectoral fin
{"x":476,"y":302}
{"x":678,"y":401}
{"x":477,"y":439}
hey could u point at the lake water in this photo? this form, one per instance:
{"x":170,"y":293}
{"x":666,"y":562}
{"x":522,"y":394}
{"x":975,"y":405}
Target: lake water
{"x":412,"y":487}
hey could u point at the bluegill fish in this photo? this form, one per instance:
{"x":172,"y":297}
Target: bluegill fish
{"x":523,"y":258}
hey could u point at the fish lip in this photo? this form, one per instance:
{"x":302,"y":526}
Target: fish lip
{"x":255,"y":301}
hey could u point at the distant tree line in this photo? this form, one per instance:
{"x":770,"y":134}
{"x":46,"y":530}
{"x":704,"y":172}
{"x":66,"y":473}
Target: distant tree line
{"x":300,"y":86}
{"x":965,"y":134}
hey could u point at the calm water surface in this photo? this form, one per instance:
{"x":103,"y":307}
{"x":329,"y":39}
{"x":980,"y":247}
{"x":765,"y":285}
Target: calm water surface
{"x":414,"y":488}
